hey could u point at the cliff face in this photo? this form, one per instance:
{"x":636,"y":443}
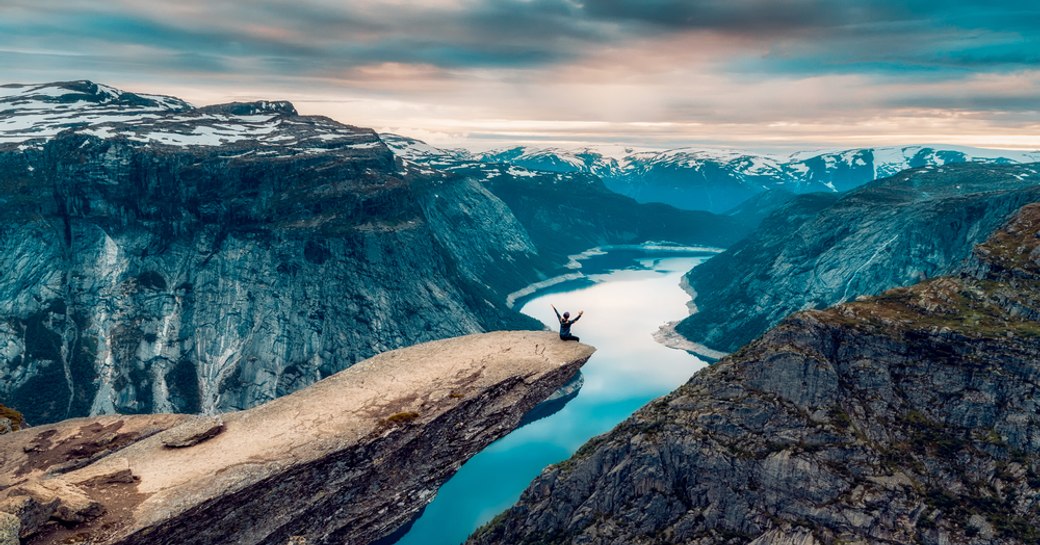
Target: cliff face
{"x":822,"y":249}
{"x":912,"y":417}
{"x":347,"y":460}
{"x":212,"y":259}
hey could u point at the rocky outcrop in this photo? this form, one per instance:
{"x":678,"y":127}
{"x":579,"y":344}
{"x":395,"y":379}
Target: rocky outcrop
{"x":10,"y":420}
{"x":911,"y":417}
{"x":347,"y":460}
{"x":822,"y":249}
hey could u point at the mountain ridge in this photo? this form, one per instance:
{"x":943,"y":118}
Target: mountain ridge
{"x":817,"y":250}
{"x":720,"y":179}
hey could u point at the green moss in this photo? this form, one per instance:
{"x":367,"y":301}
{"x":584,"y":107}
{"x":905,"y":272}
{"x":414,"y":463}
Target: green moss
{"x":490,"y":525}
{"x":840,"y":418}
{"x":16,"y":418}
{"x":583,"y":452}
{"x":401,"y":418}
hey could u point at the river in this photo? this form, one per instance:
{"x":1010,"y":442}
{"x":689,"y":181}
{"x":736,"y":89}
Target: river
{"x":627,"y":293}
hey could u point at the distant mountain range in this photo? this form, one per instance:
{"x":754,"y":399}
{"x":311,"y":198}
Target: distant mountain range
{"x":718,"y":180}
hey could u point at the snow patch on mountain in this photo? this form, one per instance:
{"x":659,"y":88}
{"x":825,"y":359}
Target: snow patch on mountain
{"x":30,"y":115}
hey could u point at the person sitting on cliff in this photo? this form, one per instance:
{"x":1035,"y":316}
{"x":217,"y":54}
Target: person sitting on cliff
{"x":566,"y":323}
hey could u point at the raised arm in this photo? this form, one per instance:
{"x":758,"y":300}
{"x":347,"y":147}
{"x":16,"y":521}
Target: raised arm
{"x":558,"y":317}
{"x":578,"y":317}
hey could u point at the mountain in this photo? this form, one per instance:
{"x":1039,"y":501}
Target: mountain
{"x":911,"y":417}
{"x":718,"y":180}
{"x":164,"y":258}
{"x":569,"y":212}
{"x":822,"y":249}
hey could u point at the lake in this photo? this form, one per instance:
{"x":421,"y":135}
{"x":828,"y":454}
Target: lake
{"x":627,"y":293}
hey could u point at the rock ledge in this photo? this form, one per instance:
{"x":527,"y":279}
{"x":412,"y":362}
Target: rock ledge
{"x":333,"y":463}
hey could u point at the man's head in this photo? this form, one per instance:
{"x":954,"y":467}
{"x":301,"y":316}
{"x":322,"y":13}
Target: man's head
{"x":566,"y":315}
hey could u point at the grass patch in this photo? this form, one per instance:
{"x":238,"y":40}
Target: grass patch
{"x":401,"y":418}
{"x":16,"y":418}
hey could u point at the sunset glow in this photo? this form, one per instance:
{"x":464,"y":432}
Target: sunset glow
{"x":754,"y":74}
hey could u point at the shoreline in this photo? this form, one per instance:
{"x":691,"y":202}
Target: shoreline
{"x":669,"y":337}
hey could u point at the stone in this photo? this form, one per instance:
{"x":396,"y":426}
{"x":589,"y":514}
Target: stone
{"x":193,"y":432}
{"x":70,"y":503}
{"x":32,"y":512}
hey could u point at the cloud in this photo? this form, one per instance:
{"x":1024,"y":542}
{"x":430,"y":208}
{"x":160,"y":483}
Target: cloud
{"x":613,"y":63}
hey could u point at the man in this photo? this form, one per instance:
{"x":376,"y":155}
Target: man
{"x":565,"y":324}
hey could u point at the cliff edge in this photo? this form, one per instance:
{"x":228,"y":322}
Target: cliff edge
{"x":346,"y":460}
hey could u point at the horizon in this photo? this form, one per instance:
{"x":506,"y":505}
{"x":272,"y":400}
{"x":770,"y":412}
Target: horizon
{"x":750,"y":75}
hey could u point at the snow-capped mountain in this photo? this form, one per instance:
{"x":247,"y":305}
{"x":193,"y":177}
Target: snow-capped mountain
{"x":602,"y":161}
{"x":719,"y":179}
{"x":30,"y":115}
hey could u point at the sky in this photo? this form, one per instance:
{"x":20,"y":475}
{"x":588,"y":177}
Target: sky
{"x":749,"y":74}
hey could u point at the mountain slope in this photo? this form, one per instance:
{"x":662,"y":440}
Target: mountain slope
{"x":818,"y":250}
{"x":906,"y":418}
{"x":215,"y":258}
{"x":568,"y":212}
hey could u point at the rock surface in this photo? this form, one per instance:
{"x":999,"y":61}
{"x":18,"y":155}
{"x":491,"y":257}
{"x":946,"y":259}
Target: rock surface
{"x":346,"y":460}
{"x":9,"y":529}
{"x":822,"y":249}
{"x":193,"y":432}
{"x":911,"y":417}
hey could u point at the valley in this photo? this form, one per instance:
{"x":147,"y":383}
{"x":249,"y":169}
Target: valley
{"x":245,"y":267}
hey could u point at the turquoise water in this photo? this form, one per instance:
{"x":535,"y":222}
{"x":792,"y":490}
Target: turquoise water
{"x":630,"y":296}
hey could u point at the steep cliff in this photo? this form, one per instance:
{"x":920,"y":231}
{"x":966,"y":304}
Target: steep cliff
{"x":347,"y":460}
{"x":912,"y":417}
{"x":161,"y":258}
{"x":822,"y":249}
